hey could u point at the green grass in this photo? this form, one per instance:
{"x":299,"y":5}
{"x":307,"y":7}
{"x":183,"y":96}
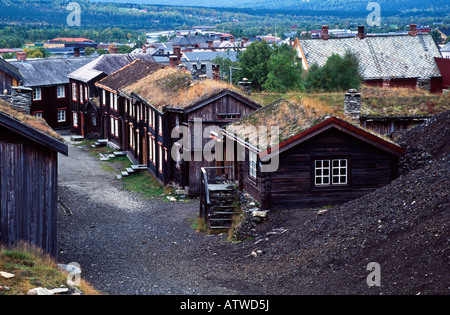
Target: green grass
{"x":32,"y":268}
{"x":146,"y":184}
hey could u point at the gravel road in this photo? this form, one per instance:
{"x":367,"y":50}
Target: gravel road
{"x":126,"y":244}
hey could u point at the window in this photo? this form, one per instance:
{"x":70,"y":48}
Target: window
{"x":103,"y":97}
{"x":37,"y":94}
{"x":331,"y":172}
{"x":81,"y":94}
{"x":75,"y":120}
{"x":61,"y":115}
{"x":160,"y":158}
{"x":86,"y":93}
{"x":74,"y":92}
{"x":253,"y":164}
{"x":160,"y":128}
{"x":94,"y":120}
{"x":38,"y":115}
{"x":150,"y":151}
{"x":61,"y":91}
{"x":339,"y":176}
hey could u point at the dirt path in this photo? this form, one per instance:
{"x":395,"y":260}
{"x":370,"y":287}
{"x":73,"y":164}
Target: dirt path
{"x":126,"y":244}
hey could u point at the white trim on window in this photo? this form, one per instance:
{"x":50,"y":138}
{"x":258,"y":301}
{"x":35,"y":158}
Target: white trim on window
{"x":37,"y":94}
{"x":62,"y":115}
{"x":253,"y":164}
{"x":61,"y":91}
{"x":331,"y":172}
{"x":74,"y":92}
{"x":75,"y":119}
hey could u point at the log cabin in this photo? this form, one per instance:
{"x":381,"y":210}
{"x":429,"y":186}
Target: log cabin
{"x":48,"y":78}
{"x":28,"y":180}
{"x":85,"y":112}
{"x":384,"y":60}
{"x":313,"y":160}
{"x":167,"y":101}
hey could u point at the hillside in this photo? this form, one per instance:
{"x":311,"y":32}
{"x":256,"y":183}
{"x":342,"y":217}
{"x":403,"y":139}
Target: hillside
{"x":345,"y":5}
{"x":404,"y":227}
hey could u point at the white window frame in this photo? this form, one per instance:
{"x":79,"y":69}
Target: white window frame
{"x":37,"y":94}
{"x":62,"y":115}
{"x":103,"y":97}
{"x":38,"y":115}
{"x":74,"y":92}
{"x":160,"y":126}
{"x":253,"y":164}
{"x":160,"y":158}
{"x":81,"y":94}
{"x":61,"y":91}
{"x":331,"y":172}
{"x":75,"y":119}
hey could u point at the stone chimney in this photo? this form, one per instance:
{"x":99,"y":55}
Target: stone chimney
{"x":76,"y":52}
{"x":21,"y":98}
{"x":216,"y":72}
{"x":246,"y":86}
{"x":412,"y":30}
{"x":174,"y":61}
{"x":324,"y":34}
{"x":144,"y":49}
{"x":361,"y":32}
{"x":352,"y":105}
{"x":21,"y":56}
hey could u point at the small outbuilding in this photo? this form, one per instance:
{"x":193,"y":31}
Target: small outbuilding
{"x":28,"y":180}
{"x":313,"y":159}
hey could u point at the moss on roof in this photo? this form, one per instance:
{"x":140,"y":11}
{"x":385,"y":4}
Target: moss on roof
{"x":175,"y":89}
{"x":33,"y":122}
{"x":291,"y":118}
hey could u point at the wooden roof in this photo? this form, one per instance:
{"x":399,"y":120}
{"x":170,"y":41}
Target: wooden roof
{"x":32,"y":128}
{"x":295,"y":124}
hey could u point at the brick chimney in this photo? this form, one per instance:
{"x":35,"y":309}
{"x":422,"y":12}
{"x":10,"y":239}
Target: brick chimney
{"x":412,"y":30}
{"x":76,"y":52}
{"x":216,"y":72}
{"x":210,"y":44}
{"x":177,"y":51}
{"x":114,"y":50}
{"x":21,"y":56}
{"x":324,"y":34}
{"x":361,"y":32}
{"x":144,"y":49}
{"x":352,"y":105}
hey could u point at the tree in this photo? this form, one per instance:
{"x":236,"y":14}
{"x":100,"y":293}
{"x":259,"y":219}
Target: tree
{"x":338,"y":74}
{"x":284,"y":71}
{"x":254,"y":63}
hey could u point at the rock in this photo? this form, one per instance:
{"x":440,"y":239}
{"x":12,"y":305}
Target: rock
{"x":321,"y":212}
{"x":257,"y":253}
{"x":40,"y":291}
{"x":6,"y":275}
{"x":59,"y":290}
{"x":259,"y":214}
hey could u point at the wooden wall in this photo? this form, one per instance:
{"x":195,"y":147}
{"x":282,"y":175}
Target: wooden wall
{"x":292,"y":186}
{"x":28,"y":192}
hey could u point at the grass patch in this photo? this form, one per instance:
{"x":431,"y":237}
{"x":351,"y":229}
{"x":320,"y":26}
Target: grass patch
{"x":145,"y":184}
{"x":32,"y":268}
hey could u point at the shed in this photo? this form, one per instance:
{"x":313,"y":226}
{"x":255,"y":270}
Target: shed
{"x":314,"y":160}
{"x":28,"y":180}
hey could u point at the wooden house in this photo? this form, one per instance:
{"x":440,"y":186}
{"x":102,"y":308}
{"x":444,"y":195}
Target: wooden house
{"x":167,"y":106}
{"x":387,"y":60}
{"x":86,"y":117}
{"x":50,"y":83}
{"x":113,"y":103}
{"x":314,"y":160}
{"x":28,"y":180}
{"x":10,"y":76}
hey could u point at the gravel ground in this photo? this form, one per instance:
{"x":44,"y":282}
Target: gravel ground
{"x":129,"y":245}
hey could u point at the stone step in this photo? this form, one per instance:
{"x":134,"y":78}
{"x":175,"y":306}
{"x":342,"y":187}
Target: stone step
{"x":77,"y":138}
{"x":130,"y":170}
{"x":120,"y":153}
{"x":139,"y":167}
{"x":125,"y":174}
